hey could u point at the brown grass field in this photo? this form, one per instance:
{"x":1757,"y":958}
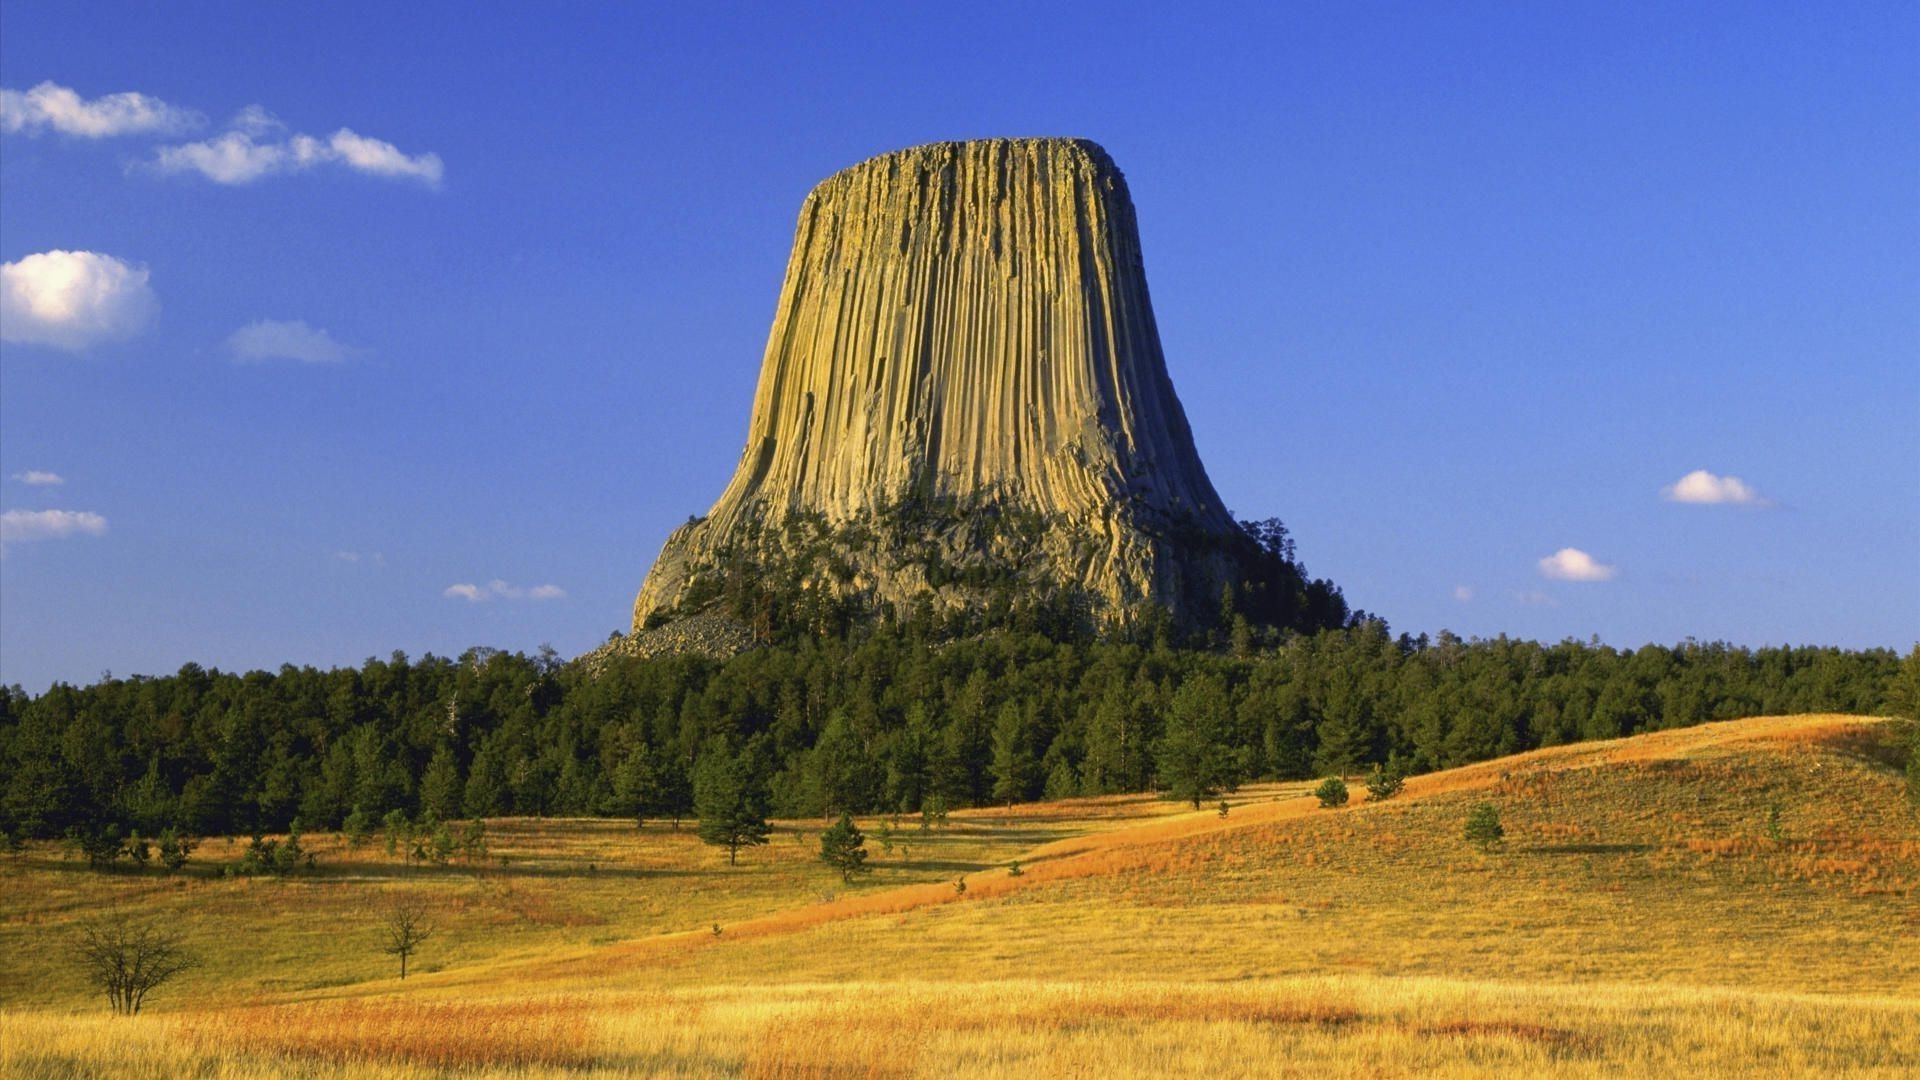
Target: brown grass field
{"x":1649,"y":914}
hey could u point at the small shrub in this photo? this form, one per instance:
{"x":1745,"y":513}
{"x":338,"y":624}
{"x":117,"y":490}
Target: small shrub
{"x":1013,"y":869}
{"x":1332,"y":793}
{"x":358,"y":828}
{"x":1385,"y":781}
{"x":1224,"y":808}
{"x":1483,"y":828}
{"x":1774,"y":832}
{"x":176,"y":849}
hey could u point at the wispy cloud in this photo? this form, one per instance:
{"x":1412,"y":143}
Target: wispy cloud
{"x":72,"y":299}
{"x":1702,"y":487}
{"x":22,"y":526}
{"x":252,"y":150}
{"x":40,"y":478}
{"x":1572,"y":564}
{"x":270,"y":339}
{"x":372,"y":558}
{"x":1463,"y":593}
{"x":497,"y":589}
{"x":1535,"y":598}
{"x":52,"y":107}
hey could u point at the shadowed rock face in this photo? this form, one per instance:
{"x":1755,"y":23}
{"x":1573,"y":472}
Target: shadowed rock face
{"x":964,"y":340}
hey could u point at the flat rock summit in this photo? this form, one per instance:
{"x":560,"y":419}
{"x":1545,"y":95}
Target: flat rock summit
{"x":963,"y":391}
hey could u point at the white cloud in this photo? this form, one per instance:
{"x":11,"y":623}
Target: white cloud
{"x":17,"y":526}
{"x":50,"y":106}
{"x":1535,"y":598}
{"x":1701,"y":486}
{"x":256,"y":120}
{"x":239,"y":156}
{"x":374,"y":558}
{"x":40,"y":478}
{"x":232,"y":158}
{"x":497,"y":589}
{"x":384,"y":158}
{"x":1463,"y":593}
{"x":270,"y":339}
{"x":1572,"y":564}
{"x":71,"y":299}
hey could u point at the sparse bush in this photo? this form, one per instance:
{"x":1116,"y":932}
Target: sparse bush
{"x":276,"y":857}
{"x":1774,"y":832}
{"x":473,"y":841}
{"x":126,"y":960}
{"x":440,"y":846}
{"x":1225,"y":809}
{"x":1385,"y":781}
{"x":399,"y":832}
{"x":1483,"y":828}
{"x":1332,"y":793}
{"x":933,"y":813}
{"x":1013,"y":869}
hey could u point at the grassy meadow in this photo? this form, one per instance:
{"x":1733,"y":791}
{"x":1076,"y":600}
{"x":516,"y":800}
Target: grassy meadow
{"x":1737,"y":898}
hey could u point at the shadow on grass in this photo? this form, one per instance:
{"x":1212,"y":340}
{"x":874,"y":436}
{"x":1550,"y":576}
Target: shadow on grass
{"x":1584,"y":849}
{"x":943,"y":866}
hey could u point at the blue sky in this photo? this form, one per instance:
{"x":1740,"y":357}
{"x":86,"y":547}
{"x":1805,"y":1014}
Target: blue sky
{"x":479,"y":293}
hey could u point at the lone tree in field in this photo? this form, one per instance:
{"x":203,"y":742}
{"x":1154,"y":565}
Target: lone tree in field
{"x":405,"y":927}
{"x":730,"y":802}
{"x":126,"y":960}
{"x":1332,"y":793}
{"x":1484,"y":828}
{"x":844,"y":848}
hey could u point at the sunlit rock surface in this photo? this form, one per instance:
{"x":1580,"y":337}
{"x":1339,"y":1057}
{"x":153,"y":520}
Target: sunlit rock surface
{"x":964,"y":386}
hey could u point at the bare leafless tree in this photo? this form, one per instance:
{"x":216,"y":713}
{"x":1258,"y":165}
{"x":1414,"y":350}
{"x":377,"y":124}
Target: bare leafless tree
{"x":406,"y":926}
{"x":126,"y":960}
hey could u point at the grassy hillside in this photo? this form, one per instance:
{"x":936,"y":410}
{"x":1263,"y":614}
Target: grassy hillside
{"x":1732,"y":897}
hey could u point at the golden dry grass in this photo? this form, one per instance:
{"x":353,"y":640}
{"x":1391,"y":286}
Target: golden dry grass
{"x":1648,"y":916}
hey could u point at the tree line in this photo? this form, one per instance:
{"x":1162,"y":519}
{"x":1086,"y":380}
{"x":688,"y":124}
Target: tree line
{"x":884,"y":718}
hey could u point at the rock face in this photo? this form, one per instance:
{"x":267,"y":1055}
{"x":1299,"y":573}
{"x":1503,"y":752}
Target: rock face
{"x":964,"y":388}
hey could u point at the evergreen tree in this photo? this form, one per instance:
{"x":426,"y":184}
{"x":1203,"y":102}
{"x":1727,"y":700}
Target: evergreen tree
{"x":730,"y":801}
{"x":1194,"y":761}
{"x":440,"y":793}
{"x":1483,"y":828}
{"x":636,"y":788}
{"x":844,"y":848}
{"x":1014,"y":764}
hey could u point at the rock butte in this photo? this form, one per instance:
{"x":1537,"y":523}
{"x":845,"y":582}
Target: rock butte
{"x":965,"y":326}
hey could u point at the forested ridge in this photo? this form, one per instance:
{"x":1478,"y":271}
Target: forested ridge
{"x":881,"y":719}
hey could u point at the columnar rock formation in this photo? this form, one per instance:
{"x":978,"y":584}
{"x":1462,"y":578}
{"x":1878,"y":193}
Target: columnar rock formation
{"x":964,"y":384}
